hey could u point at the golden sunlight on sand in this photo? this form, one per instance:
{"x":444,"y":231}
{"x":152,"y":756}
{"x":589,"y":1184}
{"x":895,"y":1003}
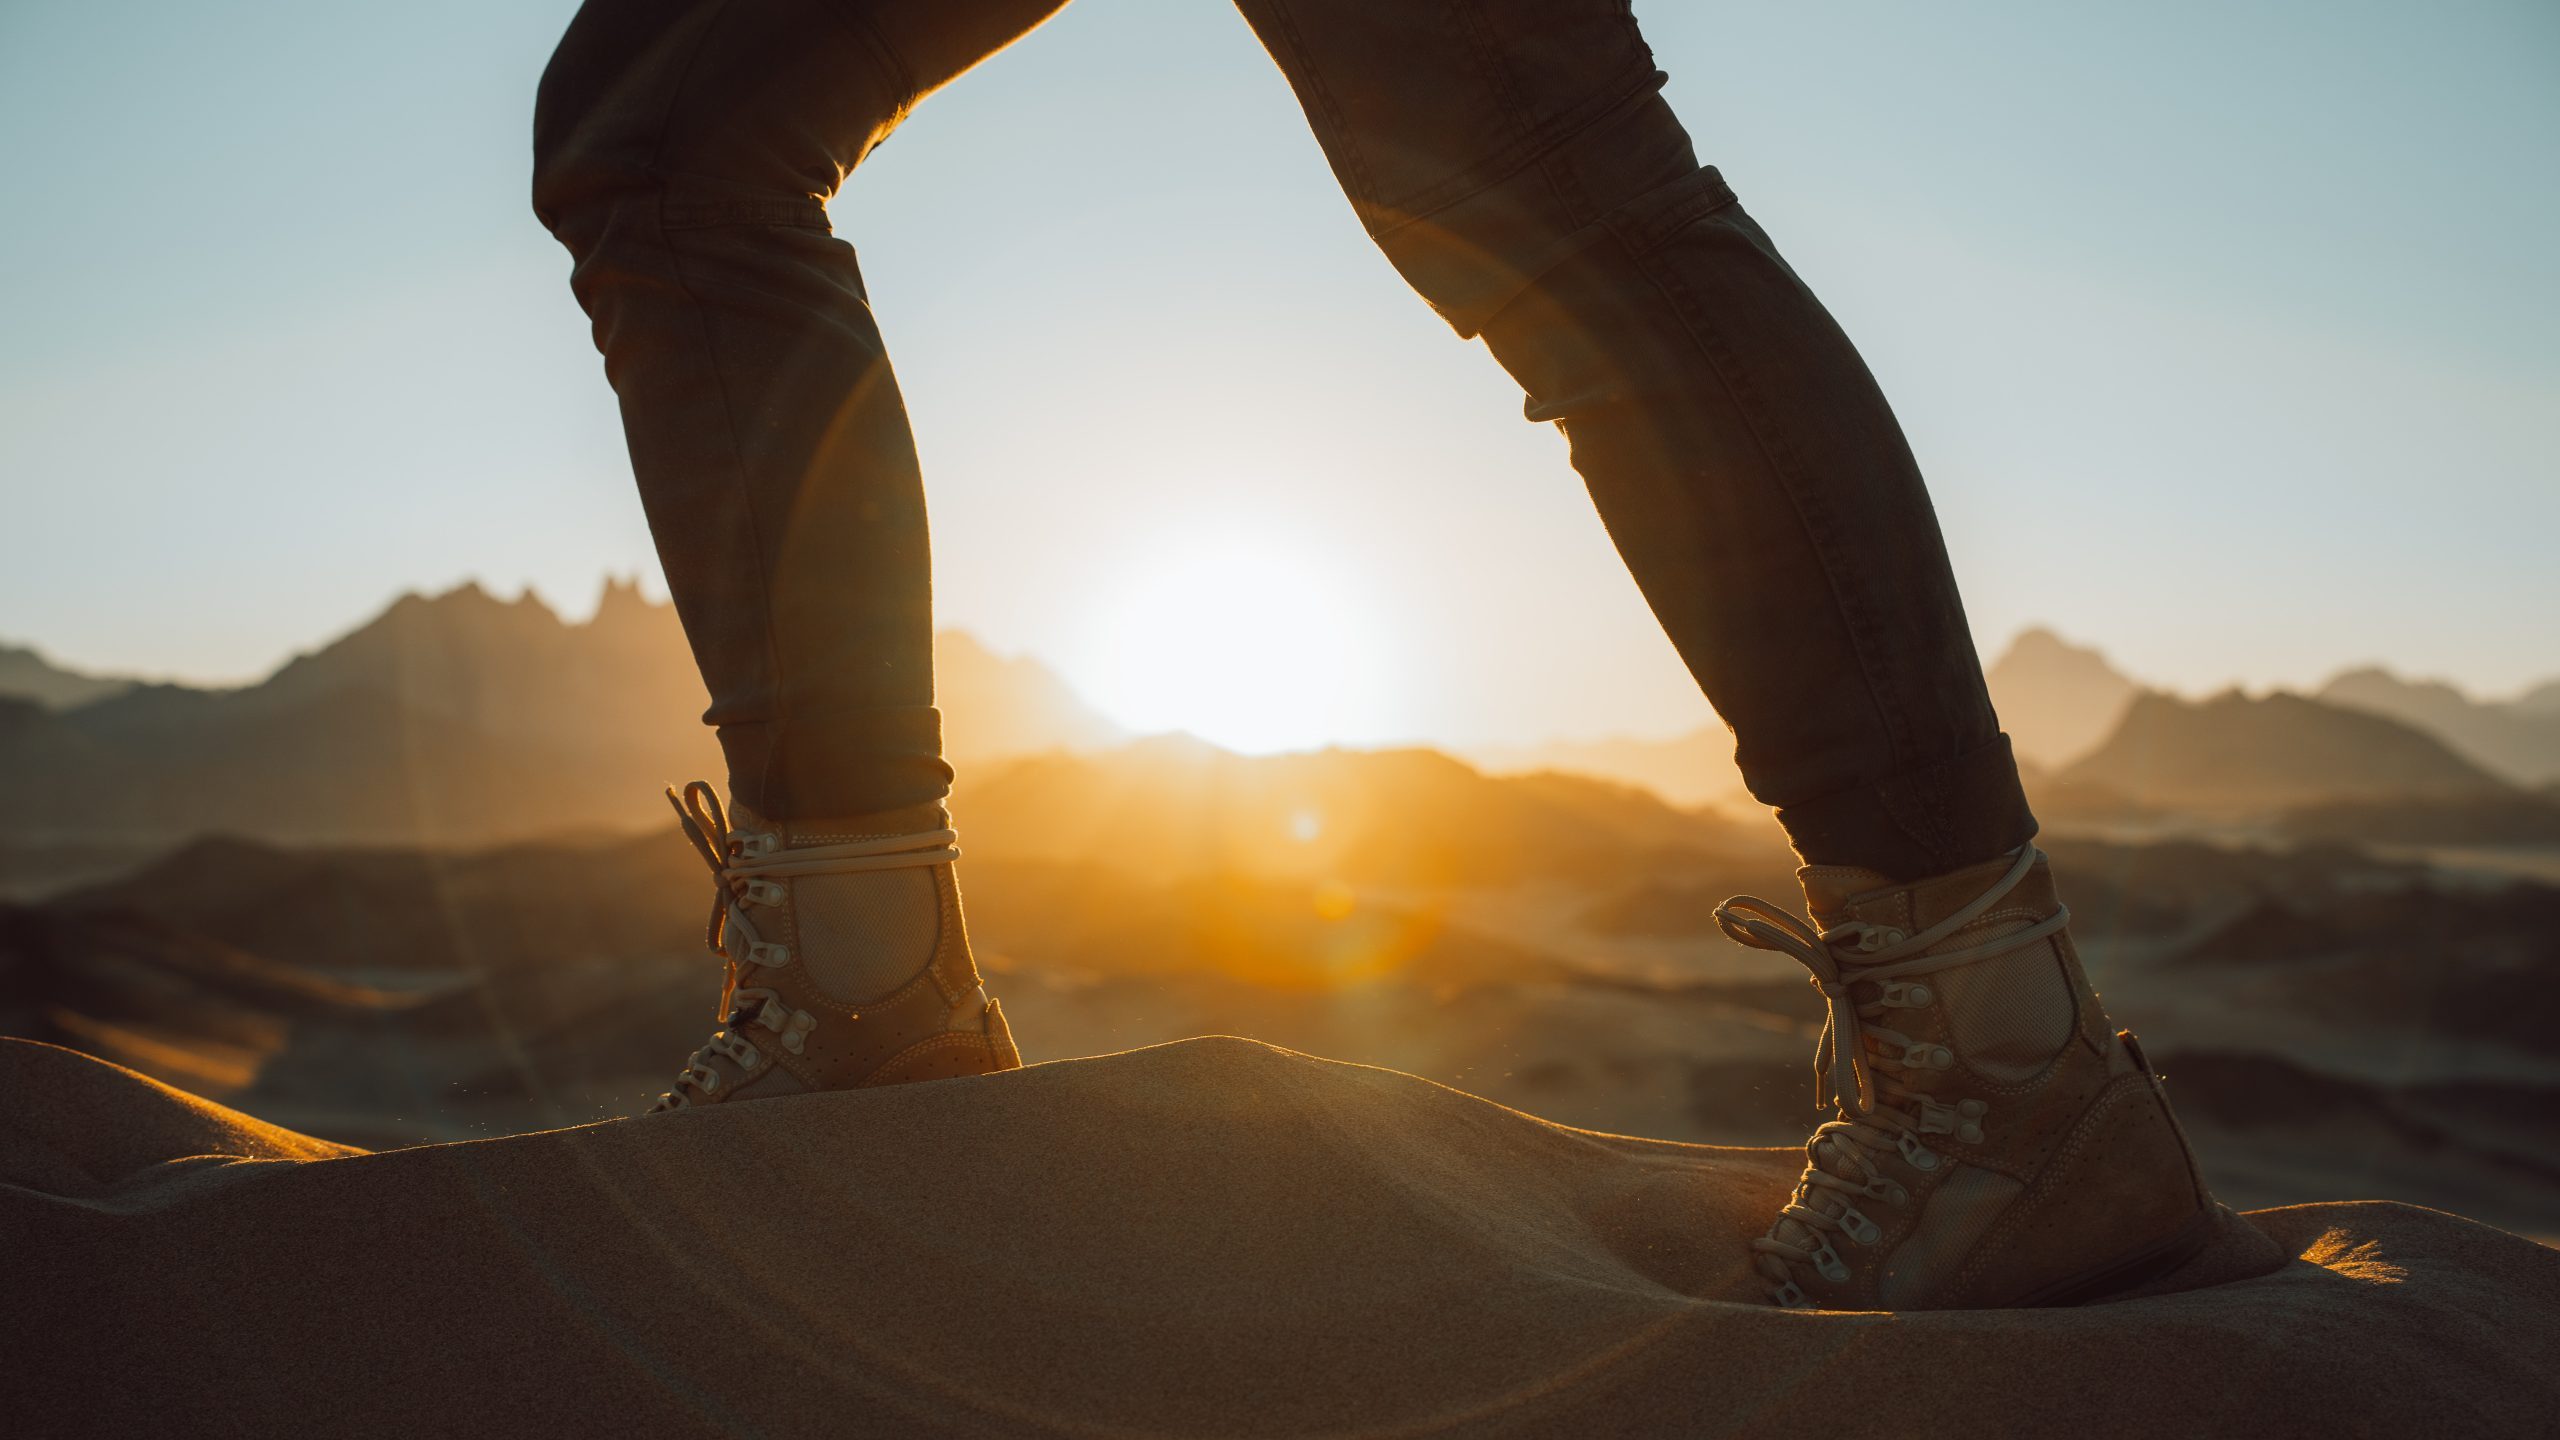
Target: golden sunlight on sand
{"x":1213,"y":1237}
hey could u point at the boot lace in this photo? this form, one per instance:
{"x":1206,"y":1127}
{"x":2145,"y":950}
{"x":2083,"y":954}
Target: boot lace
{"x":1876,"y":1113}
{"x":748,"y":868}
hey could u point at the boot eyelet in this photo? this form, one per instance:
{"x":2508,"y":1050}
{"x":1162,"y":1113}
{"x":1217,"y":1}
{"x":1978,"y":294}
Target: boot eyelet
{"x":765,"y":953}
{"x":1916,"y":1155}
{"x":1789,"y":1296}
{"x":1888,"y":1190}
{"x":1827,"y":1264}
{"x":1859,"y":1228}
{"x":1969,"y":1115}
{"x":768,"y":893}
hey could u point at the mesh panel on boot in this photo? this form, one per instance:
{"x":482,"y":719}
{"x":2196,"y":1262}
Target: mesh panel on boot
{"x":2007,"y":1017}
{"x":1960,"y":1210}
{"x":864,"y":935}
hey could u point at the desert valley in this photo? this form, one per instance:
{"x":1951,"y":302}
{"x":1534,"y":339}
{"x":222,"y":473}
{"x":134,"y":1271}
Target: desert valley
{"x":419,"y":884}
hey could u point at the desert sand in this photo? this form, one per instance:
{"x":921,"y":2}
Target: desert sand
{"x":1210,"y":1237}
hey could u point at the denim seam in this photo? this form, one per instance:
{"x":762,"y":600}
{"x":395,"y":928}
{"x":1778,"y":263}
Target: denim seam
{"x":1493,"y":62}
{"x":1925,"y":825}
{"x":1643,"y":233}
{"x":729,"y":420}
{"x":1783,"y":461}
{"x":1917,"y":799}
{"x":1630,"y":223}
{"x":1530,"y":149}
{"x":799,"y":212}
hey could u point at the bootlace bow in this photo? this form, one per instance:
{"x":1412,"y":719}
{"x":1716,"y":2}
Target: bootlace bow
{"x":748,"y":868}
{"x":1876,"y":1114}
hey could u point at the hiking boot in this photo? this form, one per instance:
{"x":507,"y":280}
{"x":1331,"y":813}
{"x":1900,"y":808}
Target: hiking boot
{"x":847,"y":961}
{"x":1993,"y":1143}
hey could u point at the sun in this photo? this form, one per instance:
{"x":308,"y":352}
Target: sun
{"x":1244,"y":642}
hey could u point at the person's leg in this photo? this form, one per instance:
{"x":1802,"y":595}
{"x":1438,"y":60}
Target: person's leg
{"x":1993,"y":1144}
{"x":1516,"y":162}
{"x":684,"y":151}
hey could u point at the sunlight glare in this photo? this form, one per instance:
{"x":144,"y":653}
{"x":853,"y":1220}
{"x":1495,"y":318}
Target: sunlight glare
{"x":1247,"y":644}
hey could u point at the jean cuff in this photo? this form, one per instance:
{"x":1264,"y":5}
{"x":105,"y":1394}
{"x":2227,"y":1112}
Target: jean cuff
{"x":854,"y":763}
{"x":1922,"y":822}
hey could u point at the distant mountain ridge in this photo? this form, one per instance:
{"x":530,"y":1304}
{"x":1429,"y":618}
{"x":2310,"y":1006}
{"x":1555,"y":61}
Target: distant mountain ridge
{"x":1692,"y":769}
{"x":26,"y":674}
{"x":1173,"y":805}
{"x":2234,"y":754}
{"x":2056,"y":700}
{"x":456,"y":718}
{"x":2518,"y":738}
{"x":465,"y":717}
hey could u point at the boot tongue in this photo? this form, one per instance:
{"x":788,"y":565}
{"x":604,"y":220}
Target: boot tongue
{"x":743,"y":819}
{"x":1829,"y":889}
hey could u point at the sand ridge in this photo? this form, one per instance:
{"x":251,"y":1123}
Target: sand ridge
{"x":1209,"y":1237}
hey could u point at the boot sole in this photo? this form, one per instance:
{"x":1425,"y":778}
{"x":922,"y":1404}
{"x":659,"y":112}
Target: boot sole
{"x":2148,"y":1263}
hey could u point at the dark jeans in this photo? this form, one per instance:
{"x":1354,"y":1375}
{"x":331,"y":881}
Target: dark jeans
{"x":1515,"y":161}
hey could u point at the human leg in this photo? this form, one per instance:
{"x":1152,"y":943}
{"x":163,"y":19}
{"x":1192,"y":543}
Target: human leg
{"x":1993,"y":1143}
{"x":1515,"y":161}
{"x":684,"y":152}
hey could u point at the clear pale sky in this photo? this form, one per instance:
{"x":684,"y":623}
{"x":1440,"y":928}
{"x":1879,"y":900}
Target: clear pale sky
{"x":2228,"y":334}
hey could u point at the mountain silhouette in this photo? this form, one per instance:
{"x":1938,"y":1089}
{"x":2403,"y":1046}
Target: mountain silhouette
{"x":995,"y":706}
{"x":457,"y":718}
{"x":2519,"y":738}
{"x":1692,"y":769}
{"x":2235,"y":755}
{"x":1175,"y":805}
{"x":26,"y":674}
{"x":2056,"y":700}
{"x":466,"y":718}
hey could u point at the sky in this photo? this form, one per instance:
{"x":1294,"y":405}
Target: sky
{"x":2228,"y":335}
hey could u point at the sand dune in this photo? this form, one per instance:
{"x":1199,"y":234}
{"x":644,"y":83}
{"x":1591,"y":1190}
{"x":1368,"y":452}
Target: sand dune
{"x":1213,"y":1237}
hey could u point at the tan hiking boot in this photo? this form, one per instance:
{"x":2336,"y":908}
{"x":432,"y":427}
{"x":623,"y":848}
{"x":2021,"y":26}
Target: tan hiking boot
{"x":1994,"y":1144}
{"x":848,"y":964}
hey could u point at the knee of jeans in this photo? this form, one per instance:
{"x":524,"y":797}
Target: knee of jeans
{"x":593,"y":156}
{"x":1472,"y":255}
{"x":745,"y":109}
